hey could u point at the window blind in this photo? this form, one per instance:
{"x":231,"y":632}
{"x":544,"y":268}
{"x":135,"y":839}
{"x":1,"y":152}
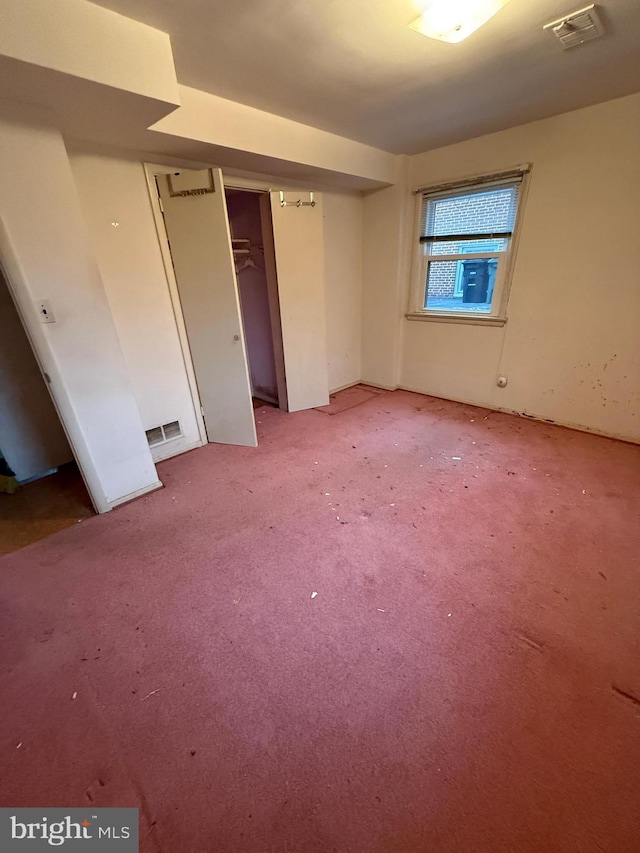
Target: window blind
{"x":484,"y":210}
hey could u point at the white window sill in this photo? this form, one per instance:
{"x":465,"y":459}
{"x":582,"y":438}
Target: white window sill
{"x":465,"y":319}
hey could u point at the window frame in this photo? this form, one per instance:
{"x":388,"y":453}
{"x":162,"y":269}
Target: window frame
{"x":421,"y":257}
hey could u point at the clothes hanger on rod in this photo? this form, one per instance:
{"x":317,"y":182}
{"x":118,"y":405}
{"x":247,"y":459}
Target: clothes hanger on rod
{"x":247,"y":263}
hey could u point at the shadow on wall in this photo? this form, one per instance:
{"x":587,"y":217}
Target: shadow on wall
{"x":8,"y":482}
{"x":31,"y":435}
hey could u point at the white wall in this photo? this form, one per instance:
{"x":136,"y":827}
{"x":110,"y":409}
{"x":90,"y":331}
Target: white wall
{"x":268,"y":143}
{"x":343,"y":220}
{"x":112,"y":80}
{"x":571,"y":346}
{"x":383,"y":282}
{"x":102,"y":75}
{"x":47,"y":255}
{"x":112,"y":190}
{"x":85,"y":40}
{"x":31,"y":437}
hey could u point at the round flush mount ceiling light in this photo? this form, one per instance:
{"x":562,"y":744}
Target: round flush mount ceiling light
{"x":454,"y":20}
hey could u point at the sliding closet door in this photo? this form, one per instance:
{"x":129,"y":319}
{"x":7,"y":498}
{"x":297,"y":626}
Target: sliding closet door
{"x":195,"y":217}
{"x":299,"y":251}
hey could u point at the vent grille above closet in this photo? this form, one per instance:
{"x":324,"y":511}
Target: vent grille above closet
{"x":165,"y":432}
{"x":577,"y":27}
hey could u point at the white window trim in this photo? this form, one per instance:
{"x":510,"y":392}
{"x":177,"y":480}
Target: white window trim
{"x":504,"y":273}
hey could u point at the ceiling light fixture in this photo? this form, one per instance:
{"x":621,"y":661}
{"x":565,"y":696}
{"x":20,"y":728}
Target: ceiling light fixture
{"x":454,"y":20}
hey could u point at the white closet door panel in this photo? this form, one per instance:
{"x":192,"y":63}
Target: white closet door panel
{"x":299,"y":249}
{"x":198,"y":231}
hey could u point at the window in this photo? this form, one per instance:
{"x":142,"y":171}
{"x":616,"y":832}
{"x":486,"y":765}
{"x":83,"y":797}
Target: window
{"x":464,"y":255}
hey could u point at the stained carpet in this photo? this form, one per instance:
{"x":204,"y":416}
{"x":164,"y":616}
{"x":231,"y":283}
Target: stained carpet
{"x":465,"y":679}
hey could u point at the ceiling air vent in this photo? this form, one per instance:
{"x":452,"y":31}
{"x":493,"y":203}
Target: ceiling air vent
{"x":577,"y":27}
{"x":160,"y":434}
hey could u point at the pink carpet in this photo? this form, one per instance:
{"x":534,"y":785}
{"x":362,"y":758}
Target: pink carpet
{"x":349,"y":399}
{"x":466,"y":679}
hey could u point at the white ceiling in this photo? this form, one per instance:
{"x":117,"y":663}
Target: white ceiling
{"x":354,"y":68}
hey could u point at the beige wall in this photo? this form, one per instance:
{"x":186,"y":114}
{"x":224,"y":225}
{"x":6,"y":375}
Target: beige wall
{"x":112,"y":80}
{"x":112,"y":190}
{"x":87,"y":41}
{"x":571,"y":346}
{"x":270,"y":142}
{"x":383,"y":285}
{"x":47,"y":255}
{"x":343,"y":294}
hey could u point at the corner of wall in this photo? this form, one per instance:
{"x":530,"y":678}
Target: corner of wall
{"x":385,"y":225}
{"x":47,"y":254}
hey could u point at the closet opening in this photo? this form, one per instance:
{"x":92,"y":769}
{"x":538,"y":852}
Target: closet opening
{"x":245,"y":271}
{"x":251,"y":230}
{"x":41,"y":487}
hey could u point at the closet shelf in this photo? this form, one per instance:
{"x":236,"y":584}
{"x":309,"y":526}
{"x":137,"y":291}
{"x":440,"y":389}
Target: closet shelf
{"x":244,"y":247}
{"x":241,"y":247}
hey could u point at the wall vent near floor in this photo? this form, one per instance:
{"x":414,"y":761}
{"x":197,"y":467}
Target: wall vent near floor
{"x":577,"y":27}
{"x":172,"y":430}
{"x":165,"y":432}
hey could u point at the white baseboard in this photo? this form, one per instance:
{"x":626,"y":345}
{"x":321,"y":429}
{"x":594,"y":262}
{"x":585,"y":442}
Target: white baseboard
{"x":132,"y":495}
{"x":379,"y":385}
{"x":364,"y":382}
{"x":344,"y":387}
{"x":173,"y":448}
